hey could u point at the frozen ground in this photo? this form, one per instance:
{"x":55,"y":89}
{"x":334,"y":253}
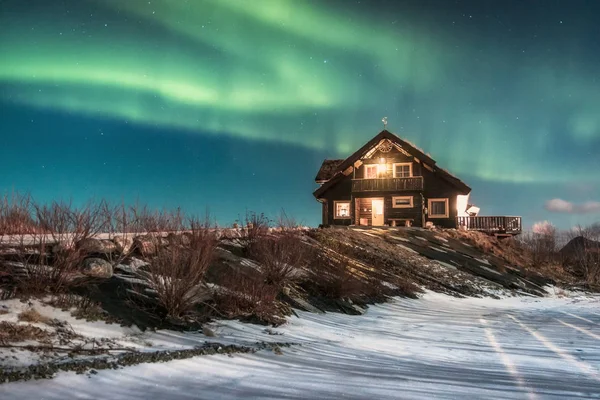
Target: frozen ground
{"x":434,"y":347}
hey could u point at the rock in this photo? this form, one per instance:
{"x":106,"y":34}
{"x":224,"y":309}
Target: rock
{"x":147,"y":245}
{"x":207,"y":331}
{"x":60,"y":247}
{"x":97,"y":268}
{"x":97,"y":246}
{"x":181,"y":239}
{"x":123,"y":244}
{"x":125,"y":268}
{"x":136,"y":263}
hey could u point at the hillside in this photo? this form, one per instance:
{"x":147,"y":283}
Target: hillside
{"x":103,"y":296}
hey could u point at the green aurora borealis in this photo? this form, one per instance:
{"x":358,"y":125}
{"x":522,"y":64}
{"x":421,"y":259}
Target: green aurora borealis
{"x":507,"y":97}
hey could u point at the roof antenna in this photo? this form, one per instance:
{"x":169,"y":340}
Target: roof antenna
{"x":384,"y":120}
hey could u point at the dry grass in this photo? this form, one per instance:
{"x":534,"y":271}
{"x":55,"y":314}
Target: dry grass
{"x":13,"y":333}
{"x":34,"y":316}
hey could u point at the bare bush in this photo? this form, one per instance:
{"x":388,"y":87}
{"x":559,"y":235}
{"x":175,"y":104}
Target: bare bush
{"x":256,"y":226}
{"x":286,"y":223}
{"x":248,"y":297}
{"x":540,"y":244}
{"x":177,"y":271}
{"x":143,"y":219}
{"x":16,"y":215}
{"x":56,"y":255}
{"x":582,"y":253}
{"x":281,"y":257}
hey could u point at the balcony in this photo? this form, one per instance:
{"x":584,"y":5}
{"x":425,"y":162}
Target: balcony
{"x":387,"y":184}
{"x":497,"y":225}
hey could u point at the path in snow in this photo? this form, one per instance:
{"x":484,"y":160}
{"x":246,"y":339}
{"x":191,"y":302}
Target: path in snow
{"x":436,"y":347}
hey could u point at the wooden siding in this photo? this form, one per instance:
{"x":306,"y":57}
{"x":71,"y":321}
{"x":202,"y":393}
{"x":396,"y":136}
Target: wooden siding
{"x":363,"y":208}
{"x":434,"y":187}
{"x":341,"y":191}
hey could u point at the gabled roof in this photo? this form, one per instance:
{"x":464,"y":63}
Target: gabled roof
{"x":337,"y":172}
{"x":327,"y":170}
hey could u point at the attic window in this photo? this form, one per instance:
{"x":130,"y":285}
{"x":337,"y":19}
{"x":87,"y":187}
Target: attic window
{"x":403,"y":170}
{"x":341,"y":209}
{"x":438,"y":208}
{"x":371,"y":171}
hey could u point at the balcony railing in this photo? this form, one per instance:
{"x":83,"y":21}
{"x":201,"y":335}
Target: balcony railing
{"x":387,"y":184}
{"x":502,"y":224}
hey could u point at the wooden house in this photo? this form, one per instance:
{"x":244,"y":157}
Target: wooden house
{"x":390,"y":182}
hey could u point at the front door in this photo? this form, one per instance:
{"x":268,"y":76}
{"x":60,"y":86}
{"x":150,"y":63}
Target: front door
{"x":377,"y":212}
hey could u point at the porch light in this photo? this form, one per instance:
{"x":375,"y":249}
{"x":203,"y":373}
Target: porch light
{"x":381,"y":167}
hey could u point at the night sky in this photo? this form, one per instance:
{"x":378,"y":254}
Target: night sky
{"x":233,"y":104}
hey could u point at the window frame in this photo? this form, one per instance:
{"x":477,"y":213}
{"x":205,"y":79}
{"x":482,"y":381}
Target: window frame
{"x":430,"y":208}
{"x":367,"y":166}
{"x":335,"y":214}
{"x":411,"y":205}
{"x":410,"y":170}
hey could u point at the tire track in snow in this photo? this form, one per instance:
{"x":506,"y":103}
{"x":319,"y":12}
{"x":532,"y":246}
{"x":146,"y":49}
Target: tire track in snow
{"x":578,"y":317}
{"x":584,"y":367}
{"x":508,"y":364}
{"x":580,"y":329}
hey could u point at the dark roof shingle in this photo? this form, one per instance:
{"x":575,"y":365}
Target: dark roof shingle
{"x":327,"y":170}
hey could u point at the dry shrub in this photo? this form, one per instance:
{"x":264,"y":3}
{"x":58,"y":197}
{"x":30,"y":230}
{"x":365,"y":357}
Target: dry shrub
{"x":541,"y":248}
{"x":248,"y":297}
{"x":56,"y":257}
{"x":16,"y":215}
{"x":286,"y":222}
{"x":13,"y":333}
{"x":177,"y":271}
{"x":143,"y":219}
{"x":582,"y":253}
{"x":33,"y":315}
{"x":281,"y":257}
{"x":256,"y":226}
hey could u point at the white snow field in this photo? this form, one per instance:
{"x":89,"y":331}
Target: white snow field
{"x":437,"y":347}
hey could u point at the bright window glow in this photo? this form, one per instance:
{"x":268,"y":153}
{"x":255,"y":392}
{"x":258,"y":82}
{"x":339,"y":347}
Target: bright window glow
{"x":371,"y":171}
{"x":342,"y":209}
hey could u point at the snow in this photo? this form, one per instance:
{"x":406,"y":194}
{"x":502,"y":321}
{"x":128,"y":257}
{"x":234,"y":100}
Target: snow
{"x":434,"y":347}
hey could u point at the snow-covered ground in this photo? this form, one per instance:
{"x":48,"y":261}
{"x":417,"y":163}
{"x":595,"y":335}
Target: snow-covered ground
{"x":434,"y":347}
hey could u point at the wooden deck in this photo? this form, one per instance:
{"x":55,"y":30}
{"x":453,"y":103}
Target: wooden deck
{"x":387,"y":184}
{"x":500,"y":225}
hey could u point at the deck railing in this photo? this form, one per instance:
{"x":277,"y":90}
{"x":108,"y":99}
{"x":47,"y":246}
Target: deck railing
{"x":387,"y":184}
{"x":494,"y":224}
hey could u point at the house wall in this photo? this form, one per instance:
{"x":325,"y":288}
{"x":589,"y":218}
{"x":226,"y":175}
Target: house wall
{"x":436,"y":187}
{"x":393,"y":156}
{"x":362,"y":202}
{"x":341,"y":191}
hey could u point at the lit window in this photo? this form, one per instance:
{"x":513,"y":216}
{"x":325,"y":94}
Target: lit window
{"x":342,"y":209}
{"x":438,"y":208}
{"x":402,"y":201}
{"x":371,"y":171}
{"x":403,"y":170}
